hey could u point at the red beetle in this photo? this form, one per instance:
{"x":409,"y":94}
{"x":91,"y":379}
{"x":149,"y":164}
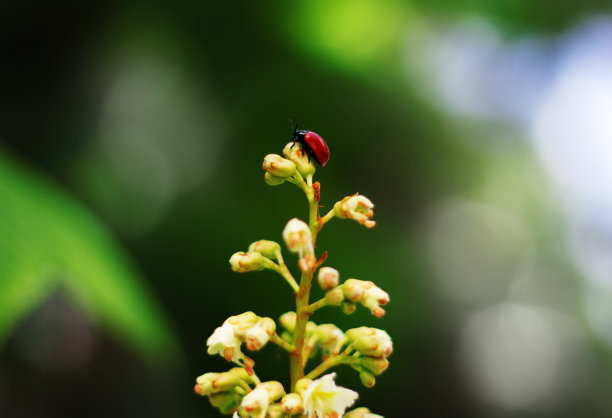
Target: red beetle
{"x":313,"y":145}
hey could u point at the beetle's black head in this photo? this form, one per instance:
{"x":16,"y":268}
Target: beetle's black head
{"x":298,"y":135}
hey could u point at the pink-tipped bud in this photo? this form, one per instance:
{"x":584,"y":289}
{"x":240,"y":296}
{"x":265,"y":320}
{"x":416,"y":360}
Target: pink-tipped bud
{"x":328,"y":278}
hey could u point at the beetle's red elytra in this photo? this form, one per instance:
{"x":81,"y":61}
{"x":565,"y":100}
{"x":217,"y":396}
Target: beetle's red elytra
{"x":313,"y":145}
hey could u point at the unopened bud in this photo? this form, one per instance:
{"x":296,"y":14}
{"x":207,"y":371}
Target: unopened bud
{"x":301,"y":385}
{"x":259,"y":334}
{"x":367,"y":379}
{"x":348,"y":307}
{"x":307,"y":263}
{"x":204,"y":384}
{"x":242,"y":262}
{"x":373,"y":297}
{"x":266,"y":248}
{"x":278,"y":166}
{"x":371,"y":342}
{"x":356,"y":207}
{"x":335,"y":296}
{"x":353,"y":290}
{"x":226,"y":402}
{"x":255,"y":403}
{"x":375,"y":365}
{"x":292,"y":404}
{"x":329,"y":336}
{"x":274,"y":389}
{"x":297,"y":236}
{"x":273,"y":180}
{"x":361,"y":413}
{"x":220,"y":382}
{"x":242,"y":323}
{"x":295,"y":152}
{"x":288,"y":320}
{"x":328,"y":278}
{"x":275,"y":411}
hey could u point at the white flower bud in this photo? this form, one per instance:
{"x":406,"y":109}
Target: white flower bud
{"x":297,"y":237}
{"x":329,"y":337}
{"x":373,"y":297}
{"x":303,"y":162}
{"x":292,"y":404}
{"x":255,"y":403}
{"x":371,"y":342}
{"x":242,"y":262}
{"x":266,"y":248}
{"x":367,"y":293}
{"x":259,"y":334}
{"x":356,"y":207}
{"x":307,"y":263}
{"x":335,"y":296}
{"x":278,"y":166}
{"x":288,"y":320}
{"x":353,"y":290}
{"x":328,"y":278}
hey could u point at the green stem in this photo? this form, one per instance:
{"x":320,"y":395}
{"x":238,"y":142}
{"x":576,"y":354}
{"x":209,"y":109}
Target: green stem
{"x":302,"y":297}
{"x":317,"y":305}
{"x":282,"y":343}
{"x":283,"y":271}
{"x":296,"y":362}
{"x":328,"y":216}
{"x":331,"y":362}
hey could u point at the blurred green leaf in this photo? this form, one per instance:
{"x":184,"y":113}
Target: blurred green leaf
{"x":50,"y":242}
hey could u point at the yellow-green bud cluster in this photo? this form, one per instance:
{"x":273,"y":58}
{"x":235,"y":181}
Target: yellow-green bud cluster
{"x":373,"y":347}
{"x":278,"y":169}
{"x":223,"y":389}
{"x":269,"y":249}
{"x":258,"y":257}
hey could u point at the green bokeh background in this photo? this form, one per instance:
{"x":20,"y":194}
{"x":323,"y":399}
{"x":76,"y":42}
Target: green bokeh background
{"x":132,"y":136}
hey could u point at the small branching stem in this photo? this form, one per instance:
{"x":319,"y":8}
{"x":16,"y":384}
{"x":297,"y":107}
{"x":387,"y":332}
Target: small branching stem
{"x":308,"y":349}
{"x":282,"y":343}
{"x":284,"y":272}
{"x":331,"y":362}
{"x":317,"y":305}
{"x":328,"y":216}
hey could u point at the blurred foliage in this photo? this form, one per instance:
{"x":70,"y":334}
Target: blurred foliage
{"x":51,"y":243}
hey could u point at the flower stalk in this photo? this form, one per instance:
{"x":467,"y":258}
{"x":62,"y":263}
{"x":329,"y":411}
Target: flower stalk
{"x":240,"y":391}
